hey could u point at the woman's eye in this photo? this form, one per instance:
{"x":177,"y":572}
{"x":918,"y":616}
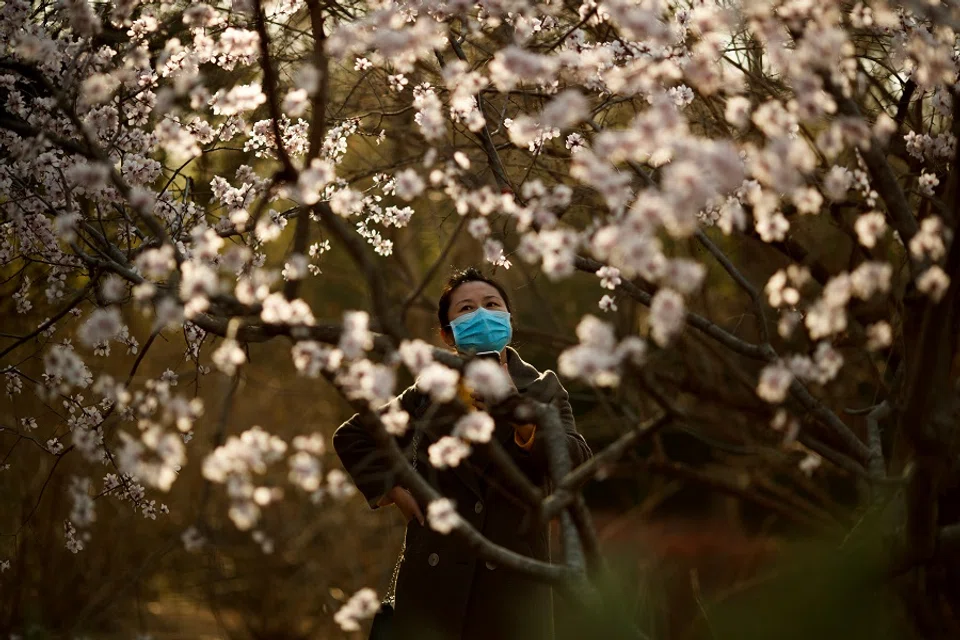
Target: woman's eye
{"x":493,"y":304}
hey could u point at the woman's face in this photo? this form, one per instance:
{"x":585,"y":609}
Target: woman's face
{"x":472,"y":295}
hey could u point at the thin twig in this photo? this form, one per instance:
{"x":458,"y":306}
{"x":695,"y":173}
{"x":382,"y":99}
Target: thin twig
{"x":77,"y":299}
{"x":745,"y":284}
{"x":428,"y":276}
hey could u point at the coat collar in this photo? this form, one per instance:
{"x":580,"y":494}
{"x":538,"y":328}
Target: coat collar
{"x":523,"y":373}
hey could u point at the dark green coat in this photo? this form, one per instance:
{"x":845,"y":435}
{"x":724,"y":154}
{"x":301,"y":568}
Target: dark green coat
{"x":443,"y":590}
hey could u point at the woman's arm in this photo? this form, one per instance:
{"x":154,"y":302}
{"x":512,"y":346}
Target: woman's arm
{"x":527,"y":447}
{"x":367,"y":465}
{"x":579,"y":449}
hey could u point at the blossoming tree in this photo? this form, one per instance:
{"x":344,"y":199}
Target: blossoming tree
{"x":659,"y":146}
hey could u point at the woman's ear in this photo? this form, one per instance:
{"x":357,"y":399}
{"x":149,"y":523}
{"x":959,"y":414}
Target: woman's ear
{"x":447,"y":336}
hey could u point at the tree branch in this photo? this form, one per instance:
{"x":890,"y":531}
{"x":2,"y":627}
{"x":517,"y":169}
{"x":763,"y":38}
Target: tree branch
{"x":883,"y":178}
{"x":559,"y":466}
{"x":567,"y":489}
{"x":77,"y":299}
{"x":289,"y":172}
{"x":740,"y":279}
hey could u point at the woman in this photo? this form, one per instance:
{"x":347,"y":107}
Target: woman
{"x":443,"y":591}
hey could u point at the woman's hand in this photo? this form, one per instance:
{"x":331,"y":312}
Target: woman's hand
{"x":405,"y":502}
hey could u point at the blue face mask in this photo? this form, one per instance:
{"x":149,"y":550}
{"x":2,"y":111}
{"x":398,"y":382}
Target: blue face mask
{"x":482,"y":330}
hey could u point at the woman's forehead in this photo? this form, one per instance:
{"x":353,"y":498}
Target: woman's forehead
{"x":474,"y":291}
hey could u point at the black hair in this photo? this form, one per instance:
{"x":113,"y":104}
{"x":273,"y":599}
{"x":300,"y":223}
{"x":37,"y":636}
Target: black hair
{"x":457,"y":278}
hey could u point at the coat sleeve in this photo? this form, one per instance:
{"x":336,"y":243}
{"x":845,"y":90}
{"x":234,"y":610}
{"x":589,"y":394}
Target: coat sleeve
{"x":534,"y":460}
{"x":367,"y":465}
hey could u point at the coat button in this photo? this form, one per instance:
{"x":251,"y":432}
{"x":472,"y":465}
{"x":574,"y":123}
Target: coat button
{"x":433,"y":559}
{"x":477,"y":508}
{"x":490,"y":565}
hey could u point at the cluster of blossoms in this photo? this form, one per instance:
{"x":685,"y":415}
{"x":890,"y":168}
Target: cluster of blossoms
{"x":306,"y":470}
{"x":930,"y":243}
{"x":236,"y":463}
{"x":826,"y":315}
{"x":65,"y":369}
{"x":166,"y":455}
{"x":940,"y":147}
{"x":449,"y":451}
{"x":483,"y":377}
{"x":609,"y":279}
{"x":599,"y":358}
{"x":75,"y":541}
{"x":776,"y":378}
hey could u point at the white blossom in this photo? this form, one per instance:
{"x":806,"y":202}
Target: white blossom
{"x":229,"y":356}
{"x":609,"y":277}
{"x":339,"y":485}
{"x":53,"y":446}
{"x":296,"y":267}
{"x":667,"y":315}
{"x":236,"y":464}
{"x":356,"y":338}
{"x":408,"y":185}
{"x":155,"y":457}
{"x":63,"y":364}
{"x":157,"y":263}
{"x":933,"y":282}
{"x":442,"y":515}
{"x":837,"y":183}
{"x":775,"y":380}
{"x":305,"y":471}
{"x":488,"y":379}
{"x":395,"y":420}
{"x":241,"y":98}
{"x":927,"y":182}
{"x":476,"y":426}
{"x":101,"y":326}
{"x":810,"y":463}
{"x":439,"y":381}
{"x":879,"y":335}
{"x":683,"y":275}
{"x":607,"y":303}
{"x":416,"y":354}
{"x":930,"y":240}
{"x":737,"y":111}
{"x":870,"y":227}
{"x":448,"y":451}
{"x":313,"y":179}
{"x":361,"y":605}
{"x":295,"y":102}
